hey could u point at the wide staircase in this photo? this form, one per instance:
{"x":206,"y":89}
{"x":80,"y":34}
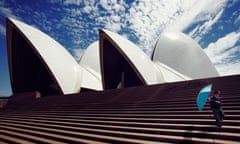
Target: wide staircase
{"x":164,"y":113}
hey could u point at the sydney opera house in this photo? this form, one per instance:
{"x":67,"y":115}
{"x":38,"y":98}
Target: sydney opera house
{"x":38,"y":62}
{"x":115,"y":93}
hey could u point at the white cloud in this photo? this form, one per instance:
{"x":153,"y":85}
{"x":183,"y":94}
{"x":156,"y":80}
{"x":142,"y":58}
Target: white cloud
{"x":2,"y":30}
{"x":200,"y":31}
{"x":229,"y":68}
{"x":223,"y":44}
{"x":223,"y":53}
{"x":115,"y":27}
{"x":72,"y":2}
{"x":5,"y":11}
{"x":237,"y":20}
{"x":196,"y":12}
{"x":91,"y":8}
{"x":221,"y":27}
{"x":113,"y":17}
{"x":87,"y":9}
{"x":55,"y":1}
{"x":112,"y":5}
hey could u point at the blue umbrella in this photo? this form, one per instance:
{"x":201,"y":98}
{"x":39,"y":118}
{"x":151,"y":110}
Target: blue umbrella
{"x":203,"y":96}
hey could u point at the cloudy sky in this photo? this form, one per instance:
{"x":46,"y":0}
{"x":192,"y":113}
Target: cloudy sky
{"x":214,"y":24}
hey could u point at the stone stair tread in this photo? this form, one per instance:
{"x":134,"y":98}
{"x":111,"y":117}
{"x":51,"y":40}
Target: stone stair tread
{"x":165,"y":113}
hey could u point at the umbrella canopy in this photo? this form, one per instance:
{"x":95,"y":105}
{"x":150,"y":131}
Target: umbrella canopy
{"x":203,"y":96}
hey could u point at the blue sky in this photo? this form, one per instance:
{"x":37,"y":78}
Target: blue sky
{"x":214,"y":24}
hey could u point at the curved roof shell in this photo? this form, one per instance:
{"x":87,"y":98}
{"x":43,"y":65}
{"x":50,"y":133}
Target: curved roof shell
{"x":184,"y":55}
{"x":91,"y":57}
{"x":90,"y":61}
{"x":59,"y":70}
{"x":121,"y":60}
{"x":169,"y":74}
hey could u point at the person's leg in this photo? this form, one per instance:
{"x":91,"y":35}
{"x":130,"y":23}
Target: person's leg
{"x":221,"y":113}
{"x":217,"y":116}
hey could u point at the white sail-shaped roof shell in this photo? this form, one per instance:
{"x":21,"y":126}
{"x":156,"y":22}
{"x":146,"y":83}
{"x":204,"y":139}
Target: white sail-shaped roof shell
{"x":91,"y":58}
{"x":67,"y":72}
{"x":183,"y":54}
{"x":90,"y":61}
{"x":169,"y":74}
{"x":138,"y":58}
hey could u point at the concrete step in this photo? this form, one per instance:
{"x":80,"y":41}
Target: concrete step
{"x":164,"y":113}
{"x":155,"y":134}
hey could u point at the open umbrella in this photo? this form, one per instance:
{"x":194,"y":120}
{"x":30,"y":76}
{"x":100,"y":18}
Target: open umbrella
{"x":203,"y":96}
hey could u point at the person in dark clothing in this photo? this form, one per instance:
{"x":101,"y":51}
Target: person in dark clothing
{"x":215,"y":104}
